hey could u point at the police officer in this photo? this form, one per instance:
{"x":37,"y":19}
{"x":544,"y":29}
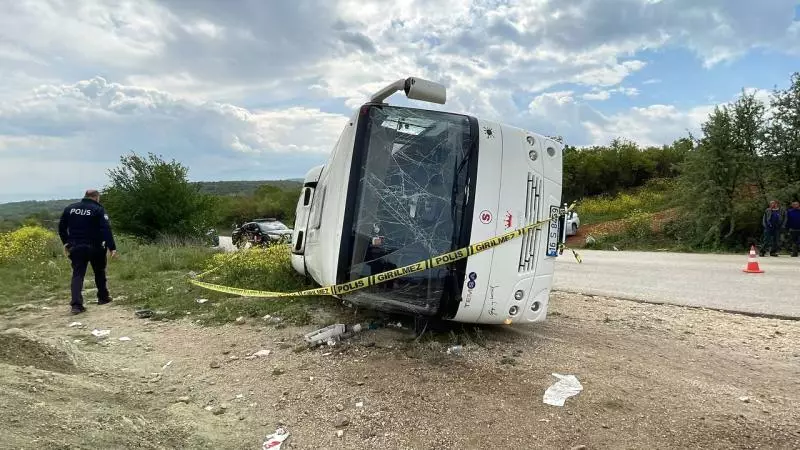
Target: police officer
{"x":86,"y":234}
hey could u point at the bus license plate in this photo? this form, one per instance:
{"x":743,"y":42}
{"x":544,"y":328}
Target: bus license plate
{"x":552,"y":231}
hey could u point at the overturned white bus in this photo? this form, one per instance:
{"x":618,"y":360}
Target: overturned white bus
{"x":405,"y":184}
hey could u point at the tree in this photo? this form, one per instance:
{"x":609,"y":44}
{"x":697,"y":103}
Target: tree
{"x":718,"y":178}
{"x":148,"y":197}
{"x":784,"y":132}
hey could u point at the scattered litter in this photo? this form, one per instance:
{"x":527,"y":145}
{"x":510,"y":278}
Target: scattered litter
{"x":325,"y":334}
{"x":360,"y":405}
{"x":332,"y":334}
{"x":101,"y":333}
{"x":566,"y":386}
{"x":77,"y":341}
{"x":75,"y":324}
{"x":166,"y":365}
{"x":327,"y":354}
{"x":170,"y":288}
{"x":339,"y":433}
{"x":184,"y":399}
{"x":262,"y":353}
{"x":209,"y":408}
{"x":744,"y":399}
{"x":46,"y":308}
{"x":144,"y":313}
{"x":201,"y":300}
{"x":544,"y":420}
{"x":455,"y":350}
{"x":239,"y":395}
{"x":240,"y":320}
{"x":124,"y":338}
{"x":275,"y":440}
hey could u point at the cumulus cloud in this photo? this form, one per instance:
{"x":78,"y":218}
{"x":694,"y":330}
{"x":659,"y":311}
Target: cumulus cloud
{"x":261,"y":89}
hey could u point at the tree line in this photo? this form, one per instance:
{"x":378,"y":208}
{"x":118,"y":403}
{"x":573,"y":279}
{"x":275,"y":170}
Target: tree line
{"x":747,"y":155}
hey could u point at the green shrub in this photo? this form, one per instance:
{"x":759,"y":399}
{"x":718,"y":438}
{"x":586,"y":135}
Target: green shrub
{"x":28,"y":244}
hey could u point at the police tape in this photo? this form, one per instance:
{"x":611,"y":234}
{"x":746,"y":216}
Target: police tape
{"x":372,"y":280}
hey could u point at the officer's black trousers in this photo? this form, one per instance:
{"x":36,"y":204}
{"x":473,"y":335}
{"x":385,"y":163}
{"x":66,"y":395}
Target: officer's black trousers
{"x":81,"y":257}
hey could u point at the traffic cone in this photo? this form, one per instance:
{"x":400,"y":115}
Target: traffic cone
{"x":752,"y":262}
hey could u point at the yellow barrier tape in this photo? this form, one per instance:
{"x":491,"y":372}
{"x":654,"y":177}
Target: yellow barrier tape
{"x":362,"y":283}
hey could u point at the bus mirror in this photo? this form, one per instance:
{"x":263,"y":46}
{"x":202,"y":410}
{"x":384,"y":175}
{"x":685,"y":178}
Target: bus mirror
{"x":427,"y":91}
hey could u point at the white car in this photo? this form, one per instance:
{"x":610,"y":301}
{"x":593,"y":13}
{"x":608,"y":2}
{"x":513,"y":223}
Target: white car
{"x":573,"y":223}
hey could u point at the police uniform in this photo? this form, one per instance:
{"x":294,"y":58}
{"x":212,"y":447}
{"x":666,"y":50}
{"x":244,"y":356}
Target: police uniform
{"x":86,"y":234}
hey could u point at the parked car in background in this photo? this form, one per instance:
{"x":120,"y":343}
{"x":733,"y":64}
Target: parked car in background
{"x":261,"y":232}
{"x":573,"y":222}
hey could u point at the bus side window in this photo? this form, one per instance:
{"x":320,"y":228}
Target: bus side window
{"x":316,"y":209}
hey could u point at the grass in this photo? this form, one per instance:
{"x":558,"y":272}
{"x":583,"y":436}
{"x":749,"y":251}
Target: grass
{"x":155,"y":276}
{"x":653,"y":197}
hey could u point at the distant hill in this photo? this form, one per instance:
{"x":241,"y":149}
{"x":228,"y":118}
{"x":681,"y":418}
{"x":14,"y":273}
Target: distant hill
{"x":226,"y":188}
{"x":18,"y":211}
{"x":50,"y":210}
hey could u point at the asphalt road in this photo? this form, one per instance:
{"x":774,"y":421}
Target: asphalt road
{"x":711,"y":281}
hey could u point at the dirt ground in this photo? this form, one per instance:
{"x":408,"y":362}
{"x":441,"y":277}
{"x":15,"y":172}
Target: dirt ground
{"x":653,"y":377}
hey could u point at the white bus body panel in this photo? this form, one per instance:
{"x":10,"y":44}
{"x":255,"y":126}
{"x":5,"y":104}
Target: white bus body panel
{"x":324,"y":230}
{"x":512,"y":190}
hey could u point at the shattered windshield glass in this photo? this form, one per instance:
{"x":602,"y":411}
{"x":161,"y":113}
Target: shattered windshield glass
{"x":410,"y":203}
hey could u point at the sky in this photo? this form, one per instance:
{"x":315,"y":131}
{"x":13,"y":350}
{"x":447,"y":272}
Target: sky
{"x":261,"y":89}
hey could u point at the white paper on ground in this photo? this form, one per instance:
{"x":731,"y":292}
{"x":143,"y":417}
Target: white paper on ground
{"x":566,"y":386}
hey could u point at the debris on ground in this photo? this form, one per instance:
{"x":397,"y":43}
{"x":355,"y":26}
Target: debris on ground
{"x":75,"y":324}
{"x":455,"y":350}
{"x":333,"y":334}
{"x":744,"y":399}
{"x":214,"y":364}
{"x":275,"y":440}
{"x":124,"y":338}
{"x":566,"y":386}
{"x":325,"y":334}
{"x":240,"y":320}
{"x":25,"y":307}
{"x":341,"y":422}
{"x":169,"y":363}
{"x":201,"y":300}
{"x":144,"y":313}
{"x":258,"y":354}
{"x":101,"y":334}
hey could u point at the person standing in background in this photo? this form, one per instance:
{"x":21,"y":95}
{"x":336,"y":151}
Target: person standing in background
{"x":793,"y":226}
{"x":773,"y":222}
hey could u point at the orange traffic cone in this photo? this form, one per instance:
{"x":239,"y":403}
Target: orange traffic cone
{"x":752,"y":262}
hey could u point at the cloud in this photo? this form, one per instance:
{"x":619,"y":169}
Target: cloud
{"x":599,"y":94}
{"x":261,"y":89}
{"x":93,"y":121}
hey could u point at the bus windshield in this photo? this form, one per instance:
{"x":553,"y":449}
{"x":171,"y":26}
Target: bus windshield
{"x":410,"y":203}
